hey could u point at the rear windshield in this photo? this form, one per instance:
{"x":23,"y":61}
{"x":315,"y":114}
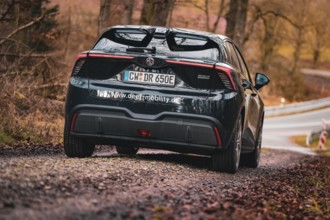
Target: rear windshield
{"x":161,"y":46}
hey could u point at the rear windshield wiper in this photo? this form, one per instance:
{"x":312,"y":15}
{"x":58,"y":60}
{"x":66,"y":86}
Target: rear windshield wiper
{"x":142,"y":49}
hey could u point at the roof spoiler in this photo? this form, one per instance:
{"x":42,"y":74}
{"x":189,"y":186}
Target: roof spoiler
{"x":165,"y":33}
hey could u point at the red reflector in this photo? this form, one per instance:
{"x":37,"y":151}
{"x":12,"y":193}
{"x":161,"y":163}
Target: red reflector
{"x":74,"y":117}
{"x":145,"y":133}
{"x":217,"y":135}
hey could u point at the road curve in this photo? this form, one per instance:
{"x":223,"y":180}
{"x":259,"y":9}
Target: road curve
{"x":277,"y":130}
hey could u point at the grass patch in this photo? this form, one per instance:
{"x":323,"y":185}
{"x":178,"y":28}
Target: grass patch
{"x":301,"y":141}
{"x":5,"y":139}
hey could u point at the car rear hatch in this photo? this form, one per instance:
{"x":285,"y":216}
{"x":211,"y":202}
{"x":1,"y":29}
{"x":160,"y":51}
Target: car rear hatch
{"x":147,"y":77}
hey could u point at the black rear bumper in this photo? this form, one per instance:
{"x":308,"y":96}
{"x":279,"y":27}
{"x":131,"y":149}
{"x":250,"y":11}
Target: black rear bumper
{"x":168,"y":130}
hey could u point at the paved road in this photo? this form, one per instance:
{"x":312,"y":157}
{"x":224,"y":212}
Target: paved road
{"x":312,"y":72}
{"x":278,"y":130}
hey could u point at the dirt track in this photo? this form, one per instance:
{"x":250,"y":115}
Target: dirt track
{"x":39,"y":182}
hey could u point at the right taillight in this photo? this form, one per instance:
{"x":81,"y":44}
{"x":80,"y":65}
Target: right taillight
{"x":226,"y":77}
{"x":225,"y":80}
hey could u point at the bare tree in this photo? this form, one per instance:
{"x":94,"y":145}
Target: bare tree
{"x":320,"y":30}
{"x":161,"y":12}
{"x":127,"y":11}
{"x":236,"y":20}
{"x":105,"y":15}
{"x":169,"y":16}
{"x":157,"y":12}
{"x":206,"y":9}
{"x":219,"y":15}
{"x":301,"y":21}
{"x":147,"y":12}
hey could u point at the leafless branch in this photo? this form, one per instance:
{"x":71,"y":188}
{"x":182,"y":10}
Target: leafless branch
{"x":220,"y":13}
{"x":25,"y":26}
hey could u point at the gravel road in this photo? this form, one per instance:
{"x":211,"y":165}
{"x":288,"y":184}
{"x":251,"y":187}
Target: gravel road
{"x":40,"y":182}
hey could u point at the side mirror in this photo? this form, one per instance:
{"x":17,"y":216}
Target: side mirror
{"x":261,"y":80}
{"x":246,"y":84}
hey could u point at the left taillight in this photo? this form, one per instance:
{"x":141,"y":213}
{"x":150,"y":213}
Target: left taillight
{"x":81,"y":59}
{"x":79,"y":64}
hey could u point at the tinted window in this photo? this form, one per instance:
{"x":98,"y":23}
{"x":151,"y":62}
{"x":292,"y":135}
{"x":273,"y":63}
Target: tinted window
{"x":232,"y":58}
{"x":244,"y":69}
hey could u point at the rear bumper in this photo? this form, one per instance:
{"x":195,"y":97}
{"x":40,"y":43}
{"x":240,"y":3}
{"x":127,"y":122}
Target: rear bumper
{"x":168,"y":130}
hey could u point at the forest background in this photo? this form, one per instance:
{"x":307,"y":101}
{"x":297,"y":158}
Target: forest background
{"x":39,"y":41}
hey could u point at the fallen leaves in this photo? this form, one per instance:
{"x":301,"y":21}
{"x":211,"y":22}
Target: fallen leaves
{"x":159,"y":186}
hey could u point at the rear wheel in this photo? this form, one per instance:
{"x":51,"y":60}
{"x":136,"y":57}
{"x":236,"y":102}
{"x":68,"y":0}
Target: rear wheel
{"x":77,"y":147}
{"x":228,"y":159}
{"x":252,"y":159}
{"x":127,"y":150}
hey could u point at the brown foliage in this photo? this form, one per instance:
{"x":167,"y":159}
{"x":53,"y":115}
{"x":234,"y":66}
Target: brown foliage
{"x":30,"y":82}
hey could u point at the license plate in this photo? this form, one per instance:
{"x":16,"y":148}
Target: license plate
{"x":149,"y":78}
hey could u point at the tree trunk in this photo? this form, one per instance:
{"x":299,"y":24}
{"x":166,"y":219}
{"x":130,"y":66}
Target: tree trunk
{"x":220,"y":12}
{"x":169,"y":16}
{"x":161,"y":12}
{"x":207,"y":15}
{"x":147,"y":12}
{"x":297,"y":51}
{"x":236,"y":20}
{"x":127,"y":11}
{"x":105,"y":15}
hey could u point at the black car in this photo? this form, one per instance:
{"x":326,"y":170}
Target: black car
{"x":165,"y":88}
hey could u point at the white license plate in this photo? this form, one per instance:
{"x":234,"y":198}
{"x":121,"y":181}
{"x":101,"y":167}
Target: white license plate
{"x":149,"y":78}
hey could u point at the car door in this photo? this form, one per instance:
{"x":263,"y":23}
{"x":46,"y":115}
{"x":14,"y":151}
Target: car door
{"x":253,"y":105}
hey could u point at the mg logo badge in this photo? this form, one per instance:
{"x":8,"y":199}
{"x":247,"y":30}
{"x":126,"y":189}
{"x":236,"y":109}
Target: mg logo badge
{"x":150,"y":61}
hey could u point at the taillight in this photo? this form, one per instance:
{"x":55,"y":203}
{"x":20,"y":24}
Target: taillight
{"x":79,"y":63}
{"x":223,"y":72}
{"x":225,"y":80}
{"x":226,"y":77}
{"x":78,"y":66}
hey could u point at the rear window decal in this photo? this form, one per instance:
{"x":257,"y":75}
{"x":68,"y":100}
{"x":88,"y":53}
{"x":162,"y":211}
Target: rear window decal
{"x":108,"y":94}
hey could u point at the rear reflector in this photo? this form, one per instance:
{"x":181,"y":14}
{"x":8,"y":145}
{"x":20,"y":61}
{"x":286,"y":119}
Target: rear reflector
{"x":145,"y":133}
{"x":74,"y":117}
{"x":217,"y":135}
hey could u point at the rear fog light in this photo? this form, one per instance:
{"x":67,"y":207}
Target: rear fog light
{"x":145,"y":133}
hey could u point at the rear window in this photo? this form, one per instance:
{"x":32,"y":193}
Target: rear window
{"x":185,"y":47}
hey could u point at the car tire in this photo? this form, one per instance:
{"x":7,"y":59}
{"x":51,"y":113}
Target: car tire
{"x":252,"y":159}
{"x":77,"y":147}
{"x":127,"y":150}
{"x":228,"y":159}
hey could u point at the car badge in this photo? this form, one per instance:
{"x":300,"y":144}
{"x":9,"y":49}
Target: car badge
{"x":150,"y":61}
